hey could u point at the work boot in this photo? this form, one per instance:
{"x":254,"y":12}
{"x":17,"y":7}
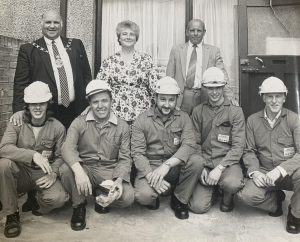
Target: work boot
{"x":293,"y":223}
{"x":227,"y":203}
{"x":100,"y":209}
{"x":31,"y":204}
{"x":181,"y":210}
{"x":12,"y":225}
{"x":280,"y":199}
{"x":154,"y":206}
{"x":78,"y":217}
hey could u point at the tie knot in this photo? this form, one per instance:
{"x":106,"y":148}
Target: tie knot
{"x":195,"y":45}
{"x":53,"y":42}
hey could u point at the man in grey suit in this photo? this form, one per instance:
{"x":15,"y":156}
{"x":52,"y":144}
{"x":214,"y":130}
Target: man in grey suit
{"x":188,"y":61}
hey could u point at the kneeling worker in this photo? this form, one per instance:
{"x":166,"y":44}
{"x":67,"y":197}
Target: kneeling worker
{"x":30,"y":158}
{"x":272,"y":155}
{"x":161,"y":144}
{"x":97,"y":149}
{"x":220,"y":134}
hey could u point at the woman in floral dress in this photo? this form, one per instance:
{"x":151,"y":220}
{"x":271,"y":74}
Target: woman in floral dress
{"x":130,"y":74}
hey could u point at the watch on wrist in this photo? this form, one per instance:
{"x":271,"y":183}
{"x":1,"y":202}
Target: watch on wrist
{"x":167,"y":163}
{"x":222,"y":168}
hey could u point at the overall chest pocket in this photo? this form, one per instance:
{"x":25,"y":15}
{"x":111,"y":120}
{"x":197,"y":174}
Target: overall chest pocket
{"x":47,"y":148}
{"x":114,"y":145}
{"x":174,"y":138}
{"x":286,"y":146}
{"x":223,"y":131}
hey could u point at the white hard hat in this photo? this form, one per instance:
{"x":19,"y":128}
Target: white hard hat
{"x":213,"y":77}
{"x":96,"y":86}
{"x":37,"y":92}
{"x":167,"y":85}
{"x":272,"y":85}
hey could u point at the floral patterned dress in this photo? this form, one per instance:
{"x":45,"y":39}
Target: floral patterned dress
{"x":133,"y":84}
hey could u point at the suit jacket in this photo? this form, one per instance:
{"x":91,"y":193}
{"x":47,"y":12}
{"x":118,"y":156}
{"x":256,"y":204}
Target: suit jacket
{"x":34,"y":64}
{"x":176,"y":67}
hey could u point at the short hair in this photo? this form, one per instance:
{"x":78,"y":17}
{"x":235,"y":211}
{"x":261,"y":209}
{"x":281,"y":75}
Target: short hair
{"x":195,"y":20}
{"x":127,"y":24}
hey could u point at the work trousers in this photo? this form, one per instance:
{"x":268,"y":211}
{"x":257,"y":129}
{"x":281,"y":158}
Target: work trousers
{"x":266,"y":198}
{"x":183,"y":177}
{"x":18,"y":178}
{"x":230,"y":182}
{"x":192,"y":98}
{"x":97,"y":173}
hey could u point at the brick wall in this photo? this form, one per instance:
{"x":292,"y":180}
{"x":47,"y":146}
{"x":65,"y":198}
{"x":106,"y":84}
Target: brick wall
{"x":9,"y":48}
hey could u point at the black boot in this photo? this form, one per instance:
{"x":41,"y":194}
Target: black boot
{"x":31,"y":204}
{"x":155,"y":206}
{"x":293,"y":223}
{"x":181,"y":210}
{"x":100,"y":209}
{"x":280,"y":199}
{"x":78,"y":217}
{"x":13,"y":225}
{"x":227,"y":203}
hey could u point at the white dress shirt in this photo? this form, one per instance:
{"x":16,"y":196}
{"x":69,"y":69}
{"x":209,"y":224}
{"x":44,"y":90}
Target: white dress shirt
{"x":67,"y":65}
{"x":198,"y":75}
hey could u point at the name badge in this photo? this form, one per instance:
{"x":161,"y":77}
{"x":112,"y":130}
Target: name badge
{"x":176,"y":141}
{"x":223,"y":138}
{"x":47,"y":153}
{"x":287,"y":152}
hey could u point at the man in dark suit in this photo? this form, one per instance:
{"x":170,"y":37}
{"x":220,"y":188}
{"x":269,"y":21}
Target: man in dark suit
{"x":62,"y":64}
{"x":188,"y":61}
{"x":59,"y":62}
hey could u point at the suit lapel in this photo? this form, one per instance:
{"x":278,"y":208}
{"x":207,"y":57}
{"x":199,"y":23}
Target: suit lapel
{"x":205,"y":57}
{"x":71,"y":57}
{"x":45,"y":58}
{"x":183,"y":53}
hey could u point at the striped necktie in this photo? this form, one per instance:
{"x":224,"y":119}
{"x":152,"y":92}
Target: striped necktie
{"x":64,"y":89}
{"x":190,"y":77}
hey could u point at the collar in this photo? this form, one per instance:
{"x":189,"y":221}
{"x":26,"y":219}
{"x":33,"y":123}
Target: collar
{"x":282,"y":113}
{"x":153,"y":112}
{"x":269,"y":120}
{"x":190,"y":45}
{"x":112,"y":118}
{"x":49,"y":41}
{"x":226,"y":102}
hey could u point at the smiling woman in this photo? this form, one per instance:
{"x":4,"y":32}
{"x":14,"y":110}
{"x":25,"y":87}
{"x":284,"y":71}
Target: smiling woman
{"x":130,"y":74}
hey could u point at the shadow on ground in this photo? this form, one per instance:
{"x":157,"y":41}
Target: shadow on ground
{"x":137,"y":223}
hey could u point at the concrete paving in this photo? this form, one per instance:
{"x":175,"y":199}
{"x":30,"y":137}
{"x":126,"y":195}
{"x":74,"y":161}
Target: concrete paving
{"x":137,"y":223}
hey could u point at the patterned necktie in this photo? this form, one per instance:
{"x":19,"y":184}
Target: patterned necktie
{"x":190,"y":77}
{"x":64,"y":89}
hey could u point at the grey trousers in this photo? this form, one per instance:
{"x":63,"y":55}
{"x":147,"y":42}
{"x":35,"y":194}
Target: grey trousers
{"x":184,"y":177}
{"x":18,"y":178}
{"x":266,"y":198}
{"x":96,"y":173}
{"x":192,"y":98}
{"x":231,"y":181}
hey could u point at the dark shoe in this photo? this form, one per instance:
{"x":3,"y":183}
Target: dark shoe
{"x":224,"y":207}
{"x":155,"y":206}
{"x":12,"y":226}
{"x":78,"y":217}
{"x":181,"y":210}
{"x":0,"y":206}
{"x":293,"y":223}
{"x":280,"y":199}
{"x":100,"y":209}
{"x":31,"y":204}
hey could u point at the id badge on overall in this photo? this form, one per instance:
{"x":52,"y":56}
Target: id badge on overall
{"x":288,"y":152}
{"x":223,"y":138}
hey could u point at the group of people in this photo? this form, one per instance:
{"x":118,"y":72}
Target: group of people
{"x":184,"y":133}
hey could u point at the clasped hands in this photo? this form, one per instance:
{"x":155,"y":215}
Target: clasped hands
{"x":156,"y":179}
{"x":266,"y":180}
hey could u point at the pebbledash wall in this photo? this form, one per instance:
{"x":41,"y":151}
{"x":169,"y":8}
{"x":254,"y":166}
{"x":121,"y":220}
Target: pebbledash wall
{"x":20,"y":23}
